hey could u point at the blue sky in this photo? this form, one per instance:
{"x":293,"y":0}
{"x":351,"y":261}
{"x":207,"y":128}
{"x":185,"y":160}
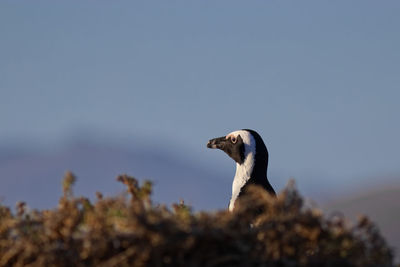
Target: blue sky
{"x":319,"y":80}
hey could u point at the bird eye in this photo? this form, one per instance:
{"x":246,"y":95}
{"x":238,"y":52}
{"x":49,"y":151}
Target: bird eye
{"x":233,"y":139}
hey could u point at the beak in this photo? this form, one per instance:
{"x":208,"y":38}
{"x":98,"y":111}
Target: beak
{"x":217,"y":143}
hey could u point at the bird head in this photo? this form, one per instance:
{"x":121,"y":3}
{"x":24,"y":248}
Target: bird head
{"x":237,"y":145}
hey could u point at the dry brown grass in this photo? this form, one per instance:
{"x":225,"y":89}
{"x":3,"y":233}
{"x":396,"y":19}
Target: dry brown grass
{"x":129,"y":230}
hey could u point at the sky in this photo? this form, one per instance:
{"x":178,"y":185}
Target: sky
{"x":319,"y":80}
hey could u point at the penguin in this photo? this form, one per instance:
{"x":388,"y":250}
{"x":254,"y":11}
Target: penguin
{"x":248,"y":150}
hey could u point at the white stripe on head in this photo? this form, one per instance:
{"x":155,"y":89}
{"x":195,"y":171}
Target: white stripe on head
{"x":243,"y":171}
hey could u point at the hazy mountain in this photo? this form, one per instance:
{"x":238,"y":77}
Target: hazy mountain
{"x":34,"y":174}
{"x":36,"y":177}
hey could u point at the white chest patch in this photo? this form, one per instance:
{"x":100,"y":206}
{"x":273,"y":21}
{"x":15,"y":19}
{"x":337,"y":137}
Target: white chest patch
{"x":243,"y":171}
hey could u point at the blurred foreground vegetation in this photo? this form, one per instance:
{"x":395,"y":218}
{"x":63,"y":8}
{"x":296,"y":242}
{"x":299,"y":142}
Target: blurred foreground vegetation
{"x":129,"y":230}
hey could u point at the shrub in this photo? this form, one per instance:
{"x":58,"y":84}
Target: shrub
{"x":129,"y":230}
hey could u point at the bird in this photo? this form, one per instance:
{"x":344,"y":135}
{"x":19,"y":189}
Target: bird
{"x":248,"y":150}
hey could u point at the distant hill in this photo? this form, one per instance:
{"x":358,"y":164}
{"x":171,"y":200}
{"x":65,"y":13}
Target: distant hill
{"x":381,"y":204}
{"x":36,"y":177}
{"x":33,"y":172}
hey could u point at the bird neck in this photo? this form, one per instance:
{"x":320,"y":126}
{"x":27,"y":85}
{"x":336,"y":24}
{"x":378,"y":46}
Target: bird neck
{"x":242,"y":176}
